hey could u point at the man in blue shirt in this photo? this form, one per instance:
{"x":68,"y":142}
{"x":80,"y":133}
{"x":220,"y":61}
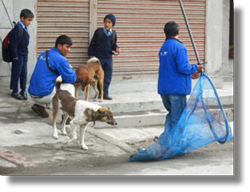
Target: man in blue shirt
{"x":175,"y":73}
{"x":43,"y":79}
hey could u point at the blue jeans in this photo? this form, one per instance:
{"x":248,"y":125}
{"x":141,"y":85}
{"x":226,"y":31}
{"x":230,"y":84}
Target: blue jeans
{"x":175,"y":105}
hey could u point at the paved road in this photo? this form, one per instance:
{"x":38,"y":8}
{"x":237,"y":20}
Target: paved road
{"x":215,"y":159}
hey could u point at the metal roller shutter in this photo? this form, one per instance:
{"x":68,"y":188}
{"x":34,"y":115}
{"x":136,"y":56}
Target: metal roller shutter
{"x":57,"y":17}
{"x":140,"y":30}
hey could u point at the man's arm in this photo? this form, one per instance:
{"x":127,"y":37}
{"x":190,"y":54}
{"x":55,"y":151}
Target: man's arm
{"x":182,"y":61}
{"x":115,"y":47}
{"x":67,"y":72}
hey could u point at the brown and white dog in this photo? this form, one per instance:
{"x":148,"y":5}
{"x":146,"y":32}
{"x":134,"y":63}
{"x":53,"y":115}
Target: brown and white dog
{"x":80,"y":112}
{"x":90,"y":74}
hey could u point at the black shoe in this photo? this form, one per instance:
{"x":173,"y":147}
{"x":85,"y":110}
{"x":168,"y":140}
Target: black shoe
{"x":40,"y":110}
{"x":68,"y":121}
{"x":24,"y":95}
{"x":107,"y":97}
{"x":16,"y":96}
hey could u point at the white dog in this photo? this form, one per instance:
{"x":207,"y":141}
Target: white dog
{"x":81,"y":113}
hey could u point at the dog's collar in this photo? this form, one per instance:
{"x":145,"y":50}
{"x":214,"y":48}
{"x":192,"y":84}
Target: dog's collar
{"x":92,"y":118}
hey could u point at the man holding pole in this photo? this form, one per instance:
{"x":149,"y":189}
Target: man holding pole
{"x":175,"y":73}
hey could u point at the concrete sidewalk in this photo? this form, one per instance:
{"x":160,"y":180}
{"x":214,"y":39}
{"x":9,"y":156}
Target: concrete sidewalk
{"x":27,"y":146}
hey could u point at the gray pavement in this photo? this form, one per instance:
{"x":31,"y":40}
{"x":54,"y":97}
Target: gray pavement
{"x":27,"y":146}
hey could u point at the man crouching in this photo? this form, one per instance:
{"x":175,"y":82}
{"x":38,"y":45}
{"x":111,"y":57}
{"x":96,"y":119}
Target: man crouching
{"x":50,"y":65}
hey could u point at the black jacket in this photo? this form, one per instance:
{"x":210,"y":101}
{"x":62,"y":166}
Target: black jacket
{"x":19,"y":41}
{"x":101,"y":45}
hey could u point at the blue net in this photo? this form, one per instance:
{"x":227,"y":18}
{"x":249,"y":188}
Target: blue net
{"x":202,"y":122}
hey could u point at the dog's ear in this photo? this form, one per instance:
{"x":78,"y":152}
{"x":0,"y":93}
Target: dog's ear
{"x":102,"y":110}
{"x":88,"y":113}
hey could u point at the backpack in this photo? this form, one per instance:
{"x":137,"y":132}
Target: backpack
{"x":6,"y":51}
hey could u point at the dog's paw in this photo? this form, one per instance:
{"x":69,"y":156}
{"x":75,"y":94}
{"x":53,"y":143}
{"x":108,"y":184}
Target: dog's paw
{"x":64,"y":133}
{"x":55,"y":136}
{"x":85,"y":147}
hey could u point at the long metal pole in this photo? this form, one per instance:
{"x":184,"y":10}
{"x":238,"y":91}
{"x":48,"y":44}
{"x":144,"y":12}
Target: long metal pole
{"x":189,"y":31}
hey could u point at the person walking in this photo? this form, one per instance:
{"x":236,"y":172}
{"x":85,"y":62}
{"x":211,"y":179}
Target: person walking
{"x":175,"y":74}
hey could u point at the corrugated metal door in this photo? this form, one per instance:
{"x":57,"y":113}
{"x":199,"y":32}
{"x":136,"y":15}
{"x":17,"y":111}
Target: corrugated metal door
{"x":58,"y":17}
{"x":140,"y":30}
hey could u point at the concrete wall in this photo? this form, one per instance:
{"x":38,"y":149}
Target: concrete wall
{"x":226,"y":64}
{"x":5,"y":27}
{"x":14,"y":8}
{"x":217,"y":40}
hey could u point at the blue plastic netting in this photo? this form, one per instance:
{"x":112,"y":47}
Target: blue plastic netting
{"x":202,"y":122}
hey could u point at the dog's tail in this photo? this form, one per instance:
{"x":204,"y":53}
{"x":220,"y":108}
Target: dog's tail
{"x":58,"y":83}
{"x":55,"y":102}
{"x":93,"y":60}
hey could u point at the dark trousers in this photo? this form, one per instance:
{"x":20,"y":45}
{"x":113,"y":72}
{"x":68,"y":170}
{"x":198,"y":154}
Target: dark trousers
{"x":107,"y":66}
{"x":19,"y":71}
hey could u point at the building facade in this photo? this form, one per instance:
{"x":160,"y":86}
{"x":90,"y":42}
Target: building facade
{"x":139,"y":27}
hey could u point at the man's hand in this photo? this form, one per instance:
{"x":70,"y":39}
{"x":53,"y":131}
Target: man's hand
{"x":195,"y":75}
{"x":117,"y":51}
{"x":200,"y":67}
{"x":59,"y":79}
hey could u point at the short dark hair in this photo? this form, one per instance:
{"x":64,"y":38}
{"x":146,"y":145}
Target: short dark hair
{"x":26,"y":13}
{"x":63,"y":39}
{"x":171,"y":29}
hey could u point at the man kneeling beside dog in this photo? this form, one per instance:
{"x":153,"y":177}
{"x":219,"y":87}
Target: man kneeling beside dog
{"x":53,"y":68}
{"x":50,"y":65}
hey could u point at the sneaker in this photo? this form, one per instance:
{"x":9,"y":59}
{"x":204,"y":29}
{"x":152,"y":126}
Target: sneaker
{"x":107,"y":97}
{"x":40,"y":110}
{"x":24,"y":95}
{"x":16,"y":96}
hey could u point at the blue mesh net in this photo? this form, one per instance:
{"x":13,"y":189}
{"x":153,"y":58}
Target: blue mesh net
{"x":202,"y":122}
